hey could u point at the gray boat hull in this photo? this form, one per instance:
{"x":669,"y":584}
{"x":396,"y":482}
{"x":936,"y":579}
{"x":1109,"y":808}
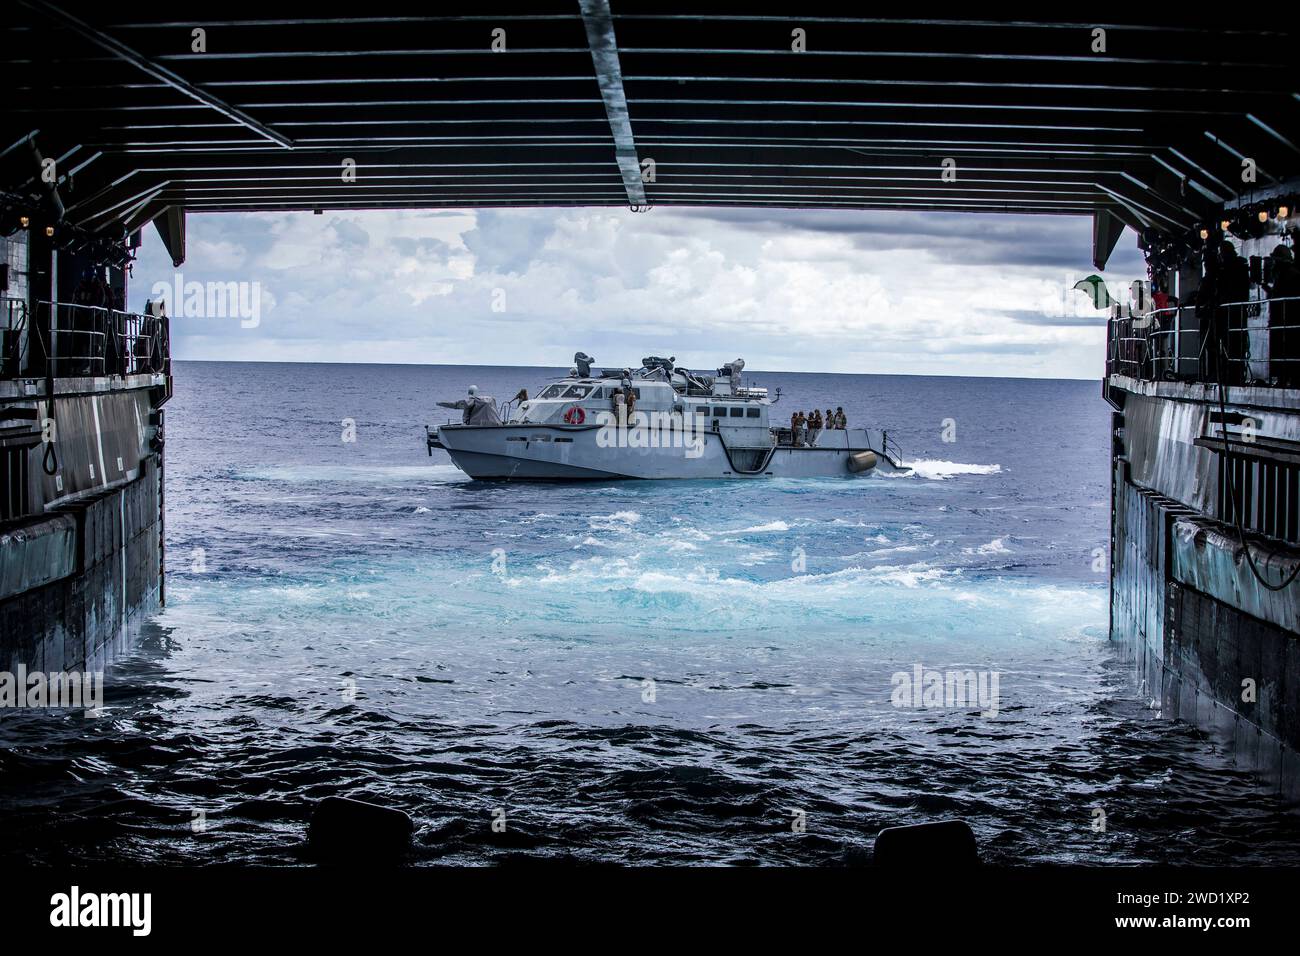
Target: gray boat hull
{"x":527,"y":452}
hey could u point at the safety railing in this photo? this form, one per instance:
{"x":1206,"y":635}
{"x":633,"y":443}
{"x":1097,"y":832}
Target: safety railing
{"x":1254,"y":342}
{"x":64,"y":339}
{"x":891,"y":448}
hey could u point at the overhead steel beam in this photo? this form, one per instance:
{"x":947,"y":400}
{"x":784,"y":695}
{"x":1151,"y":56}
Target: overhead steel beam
{"x":171,"y":227}
{"x":861,"y":121}
{"x":154,"y":69}
{"x":1272,"y":132}
{"x":1218,"y":141}
{"x":609,"y":75}
{"x":1106,"y":230}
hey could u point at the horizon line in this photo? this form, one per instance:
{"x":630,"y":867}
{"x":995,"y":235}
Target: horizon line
{"x":563,"y":369}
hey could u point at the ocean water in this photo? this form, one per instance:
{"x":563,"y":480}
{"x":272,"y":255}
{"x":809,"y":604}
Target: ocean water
{"x":670,"y":672}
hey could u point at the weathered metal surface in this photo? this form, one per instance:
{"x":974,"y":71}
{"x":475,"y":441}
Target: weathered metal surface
{"x":99,"y":440}
{"x":112,"y":580}
{"x":1159,"y":440}
{"x":1208,"y":645}
{"x":37,"y":553}
{"x":1165,"y":437}
{"x":1237,"y":678}
{"x":1209,"y":558}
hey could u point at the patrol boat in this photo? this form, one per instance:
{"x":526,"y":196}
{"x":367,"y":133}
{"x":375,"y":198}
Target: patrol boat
{"x":682,"y":424}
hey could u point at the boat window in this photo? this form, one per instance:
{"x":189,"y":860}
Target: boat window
{"x":737,"y":412}
{"x":719,"y":413}
{"x":551,"y":391}
{"x":577,"y":391}
{"x":753,"y":412}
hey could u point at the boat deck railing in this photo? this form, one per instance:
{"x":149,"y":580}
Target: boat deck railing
{"x":891,"y":448}
{"x":67,"y":339}
{"x":1254,"y":342}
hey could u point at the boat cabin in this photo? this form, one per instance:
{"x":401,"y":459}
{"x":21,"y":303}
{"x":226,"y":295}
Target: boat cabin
{"x":739,"y":415}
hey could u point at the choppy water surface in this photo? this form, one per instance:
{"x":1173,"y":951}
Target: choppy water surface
{"x":634,"y":672}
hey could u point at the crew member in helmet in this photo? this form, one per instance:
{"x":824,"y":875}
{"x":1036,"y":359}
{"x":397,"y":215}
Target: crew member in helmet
{"x":476,"y":409}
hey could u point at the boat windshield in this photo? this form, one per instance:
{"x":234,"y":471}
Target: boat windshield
{"x":564,"y":390}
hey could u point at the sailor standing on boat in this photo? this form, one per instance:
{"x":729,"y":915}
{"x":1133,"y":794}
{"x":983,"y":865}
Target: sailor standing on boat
{"x":477,"y":409}
{"x":618,"y":408}
{"x":629,"y":396}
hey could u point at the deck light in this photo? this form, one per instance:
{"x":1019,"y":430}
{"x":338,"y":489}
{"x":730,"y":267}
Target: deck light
{"x":49,"y":230}
{"x":24,"y":221}
{"x":1205,"y":234}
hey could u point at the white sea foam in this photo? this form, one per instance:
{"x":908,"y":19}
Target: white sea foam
{"x":996,"y":546}
{"x":374,"y":474}
{"x":936,"y":470}
{"x":762,"y":528}
{"x":618,"y":520}
{"x":912,"y":576}
{"x":900,"y":549}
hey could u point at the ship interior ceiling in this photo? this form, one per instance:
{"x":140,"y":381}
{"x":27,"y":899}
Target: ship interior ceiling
{"x":592,"y":103}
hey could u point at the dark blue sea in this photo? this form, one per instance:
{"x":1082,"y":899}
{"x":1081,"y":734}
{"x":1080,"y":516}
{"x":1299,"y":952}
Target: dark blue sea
{"x":668,"y":673}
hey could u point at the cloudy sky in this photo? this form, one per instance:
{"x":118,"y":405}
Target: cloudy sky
{"x":835,"y":291}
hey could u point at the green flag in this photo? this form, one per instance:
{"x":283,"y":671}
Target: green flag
{"x":1095,"y":287}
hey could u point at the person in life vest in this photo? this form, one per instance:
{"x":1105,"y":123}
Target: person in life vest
{"x":629,"y":399}
{"x":814,"y":426}
{"x":841,"y":422}
{"x":618,"y":407}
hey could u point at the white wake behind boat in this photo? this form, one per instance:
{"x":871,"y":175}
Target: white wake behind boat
{"x":683,"y":424}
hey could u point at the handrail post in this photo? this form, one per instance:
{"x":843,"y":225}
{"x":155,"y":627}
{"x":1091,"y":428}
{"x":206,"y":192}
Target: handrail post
{"x":1178,"y":341}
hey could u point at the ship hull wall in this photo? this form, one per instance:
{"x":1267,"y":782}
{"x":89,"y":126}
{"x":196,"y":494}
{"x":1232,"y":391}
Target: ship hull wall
{"x":83,"y":570}
{"x":1208,"y":643}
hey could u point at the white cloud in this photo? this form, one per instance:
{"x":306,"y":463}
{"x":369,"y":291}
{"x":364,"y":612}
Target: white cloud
{"x":798,"y":290}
